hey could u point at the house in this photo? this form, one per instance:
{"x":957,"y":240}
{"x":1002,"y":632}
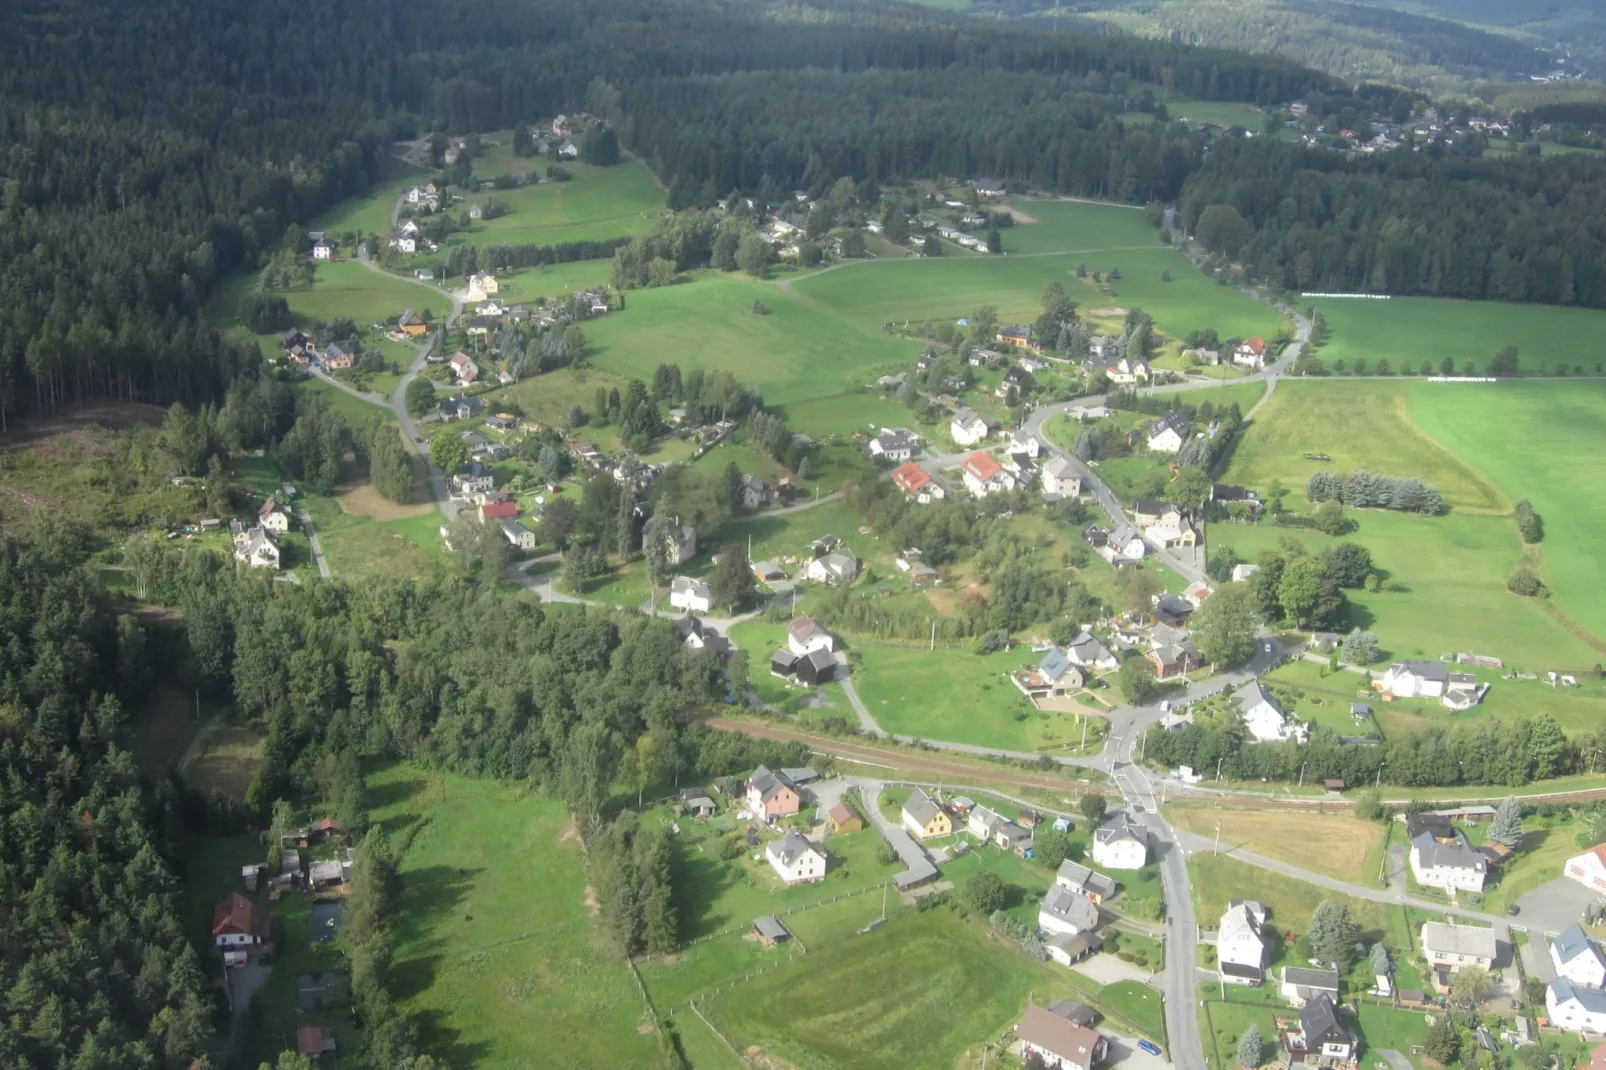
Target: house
{"x":314,"y":1042}
{"x":1078,"y":878}
{"x":833,"y":568}
{"x":1577,"y":1009}
{"x":1240,"y":943}
{"x":1065,"y":911}
{"x":1171,"y":611}
{"x":1251,"y":353}
{"x":520,"y":535}
{"x":238,"y":922}
{"x":460,"y":408}
{"x":690,"y":595}
{"x":463,"y":367}
{"x":984,"y":476}
{"x":989,"y":187}
{"x":1299,"y":986}
{"x":894,"y":445}
{"x":491,"y":307}
{"x":1066,"y":949}
{"x":700,"y":636}
{"x":695,"y":801}
{"x":1240,"y":573}
{"x":983,"y":823}
{"x":842,"y":818}
{"x":925,"y":818}
{"x":1147,"y":512}
{"x":482,"y":284}
{"x":1234,"y":495}
{"x":1016,"y":335}
{"x":805,"y":635}
{"x":404,"y":244}
{"x":796,"y":860}
{"x":771,"y":794}
{"x":1196,"y":592}
{"x":274,"y":517}
{"x":256,"y":548}
{"x":1023,"y":443}
{"x":1061,"y":477}
{"x":1578,"y":958}
{"x":1452,"y":864}
{"x":1120,"y":843}
{"x":1089,"y":653}
{"x":1264,"y":716}
{"x":1059,"y":1042}
{"x":752,"y":492}
{"x":336,"y":358}
{"x":1455,"y":947}
{"x":322,"y":250}
{"x":1588,"y":869}
{"x":1322,"y":1039}
{"x":1120,"y":546}
{"x":1171,"y":652}
{"x":1167,"y":434}
{"x":1054,"y":676}
{"x":411,"y":323}
{"x":917,"y":484}
{"x":685,"y":545}
{"x":1129,"y":371}
{"x":1173,"y":529}
{"x":1430,"y":679}
{"x":966,"y":428}
{"x":479,"y":326}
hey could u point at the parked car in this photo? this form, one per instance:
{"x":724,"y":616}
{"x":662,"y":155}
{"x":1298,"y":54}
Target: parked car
{"x":1149,"y":1046}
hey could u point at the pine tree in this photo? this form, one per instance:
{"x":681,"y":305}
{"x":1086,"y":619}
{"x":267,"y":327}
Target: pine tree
{"x":732,"y":584}
{"x":1333,"y":935}
{"x":1380,"y":960}
{"x":1506,"y":828}
{"x":1444,"y":1043}
{"x":1250,"y":1047}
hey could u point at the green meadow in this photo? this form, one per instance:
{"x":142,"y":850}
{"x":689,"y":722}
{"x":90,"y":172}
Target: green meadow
{"x":1077,"y":227}
{"x":597,"y":203}
{"x":339,"y":288}
{"x":1405,"y":331}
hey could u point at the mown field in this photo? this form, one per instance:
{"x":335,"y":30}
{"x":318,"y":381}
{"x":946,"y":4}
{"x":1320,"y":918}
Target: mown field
{"x":1405,"y":331}
{"x":497,"y":955}
{"x":1338,"y":844}
{"x":340,"y":288}
{"x":597,"y":203}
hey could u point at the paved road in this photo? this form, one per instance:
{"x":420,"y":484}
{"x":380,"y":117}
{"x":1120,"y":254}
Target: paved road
{"x":312,"y":541}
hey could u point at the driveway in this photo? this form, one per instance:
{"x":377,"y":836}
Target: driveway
{"x":244,"y":981}
{"x":1536,"y":959}
{"x":1552,"y":907}
{"x":1124,"y":1051}
{"x":1106,"y":969}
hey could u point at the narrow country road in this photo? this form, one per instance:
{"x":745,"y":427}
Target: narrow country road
{"x":312,"y":541}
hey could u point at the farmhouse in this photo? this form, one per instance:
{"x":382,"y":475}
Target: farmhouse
{"x":1061,"y":478}
{"x":1060,"y":1042}
{"x":917,"y":484}
{"x":1240,"y":945}
{"x":1589,"y":869}
{"x":1083,"y":881}
{"x":238,"y":922}
{"x":1251,"y":353}
{"x":1054,"y":676}
{"x":984,"y":476}
{"x":805,"y":635}
{"x":925,"y":818}
{"x":1264,"y":716}
{"x":1430,"y":679}
{"x":1574,"y":1008}
{"x":1446,"y":859}
{"x":1167,"y":434}
{"x":1455,"y":947}
{"x":796,"y":860}
{"x":1299,"y":985}
{"x":1322,"y":1040}
{"x":1578,"y":958}
{"x":1120,"y":843}
{"x":1172,"y":529}
{"x":967,"y":428}
{"x":1065,"y":911}
{"x":689,"y":594}
{"x":274,"y":517}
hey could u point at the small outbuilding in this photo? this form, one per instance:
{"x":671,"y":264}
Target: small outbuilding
{"x":770,"y":931}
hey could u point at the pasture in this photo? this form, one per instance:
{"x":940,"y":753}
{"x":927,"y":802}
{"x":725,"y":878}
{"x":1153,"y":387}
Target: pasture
{"x":341,"y":288}
{"x":1078,"y":227}
{"x":1525,"y":438}
{"x":597,"y":203}
{"x":1405,"y":331}
{"x":354,"y":409}
{"x":497,"y":954}
{"x":913,"y":994}
{"x":1338,"y":844}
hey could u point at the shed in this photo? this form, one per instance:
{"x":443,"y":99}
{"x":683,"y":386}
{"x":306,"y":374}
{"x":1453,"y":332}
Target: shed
{"x":843,"y":819}
{"x":1333,"y":785}
{"x":770,"y":930}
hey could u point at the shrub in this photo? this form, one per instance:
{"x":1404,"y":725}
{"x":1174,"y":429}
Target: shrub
{"x":1523,"y":582}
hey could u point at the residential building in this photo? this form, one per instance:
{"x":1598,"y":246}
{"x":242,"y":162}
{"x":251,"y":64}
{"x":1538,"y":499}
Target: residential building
{"x":796,"y":860}
{"x":700,"y":636}
{"x":404,"y":244}
{"x":690,"y":595}
{"x":771,"y":794}
{"x":1240,"y":943}
{"x":1066,"y":949}
{"x":1233,"y":495}
{"x":1322,"y":1039}
{"x":1430,"y":679}
{"x":274,"y":517}
{"x":684,"y":547}
{"x":1054,"y":676}
{"x":1300,"y":985}
{"x":1588,"y":869}
{"x":516,"y":532}
{"x":492,"y":510}
{"x":984,"y":476}
{"x":1167,"y":434}
{"x":1240,"y":573}
{"x":753,"y":493}
{"x":1575,"y":1008}
{"x":1021,"y":442}
{"x":1451,"y":864}
{"x":482,"y":284}
{"x":1171,"y":652}
{"x":1578,"y":958}
{"x":1016,"y":335}
{"x":817,"y":667}
{"x":322,"y":250}
{"x":461,"y":408}
{"x":983,"y":823}
{"x":1120,"y":843}
{"x":804,"y":635}
{"x":1061,"y":1043}
{"x":843,"y":818}
{"x":1264,"y":716}
{"x":1089,"y":653}
{"x":1172,"y":529}
{"x":255,"y":547}
{"x":917,"y":483}
{"x":238,"y":922}
{"x":1078,"y":878}
{"x":1129,"y":371}
{"x":1251,"y":353}
{"x":1455,"y":947}
{"x":463,"y":367}
{"x":923,"y":817}
{"x":1065,"y":911}
{"x":833,"y":568}
{"x":967,"y":429}
{"x":1061,"y":477}
{"x":893,"y":444}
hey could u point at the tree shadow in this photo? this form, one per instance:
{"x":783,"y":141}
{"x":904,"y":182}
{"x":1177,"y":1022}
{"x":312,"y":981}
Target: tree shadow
{"x":393,"y":792}
{"x":699,"y":883}
{"x":446,"y":1043}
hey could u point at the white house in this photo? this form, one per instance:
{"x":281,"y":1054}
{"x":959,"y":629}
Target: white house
{"x":1088,"y":653}
{"x":1057,"y":1040}
{"x":238,"y":922}
{"x":1574,"y":1008}
{"x":1083,"y":881}
{"x":256,"y":548}
{"x":482,"y":284}
{"x":984,"y":824}
{"x":1065,"y":911}
{"x":1060,"y":477}
{"x":1021,"y":442}
{"x":464,"y":368}
{"x":1251,"y":353}
{"x":1322,"y":1039}
{"x":805,"y":635}
{"x":1240,"y":947}
{"x":1589,"y":869}
{"x":690,"y":595}
{"x":1456,"y":947}
{"x":834,"y":568}
{"x":517,"y":533}
{"x":796,"y":860}
{"x":1128,"y":370}
{"x":1120,"y":843}
{"x":1452,"y":864}
{"x":274,"y":517}
{"x":967,"y":428}
{"x":1430,"y":679}
{"x":1264,"y":716}
{"x":894,"y":445}
{"x":1578,"y":958}
{"x":404,"y":244}
{"x":1167,"y":434}
{"x":322,"y":250}
{"x":1300,"y":985}
{"x":984,"y":476}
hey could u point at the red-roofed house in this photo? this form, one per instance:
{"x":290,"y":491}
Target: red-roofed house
{"x":499,"y":510}
{"x":239,"y":922}
{"x":313,"y":1041}
{"x":463,"y":367}
{"x":913,"y":481}
{"x":1251,"y":352}
{"x":1589,"y":868}
{"x":984,"y":476}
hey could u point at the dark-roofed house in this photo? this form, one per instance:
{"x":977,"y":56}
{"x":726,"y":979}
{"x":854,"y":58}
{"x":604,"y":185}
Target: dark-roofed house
{"x":1453,"y":864}
{"x":1120,"y":843}
{"x":1078,"y":878}
{"x":1171,"y":652}
{"x":1300,"y":985}
{"x":1231,"y":495}
{"x":1054,"y":676}
{"x":1430,"y":679}
{"x":1065,"y":911}
{"x":1167,"y":434}
{"x":1578,"y":958}
{"x":1322,"y":1039}
{"x":1172,"y":610}
{"x":771,"y":794}
{"x":924,"y":817}
{"x":813,"y":669}
{"x":1015,"y":334}
{"x":796,"y":860}
{"x":1062,"y":1044}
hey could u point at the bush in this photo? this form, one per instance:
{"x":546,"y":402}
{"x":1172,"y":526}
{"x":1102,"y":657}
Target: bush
{"x":1526,"y":584}
{"x":1529,"y":524}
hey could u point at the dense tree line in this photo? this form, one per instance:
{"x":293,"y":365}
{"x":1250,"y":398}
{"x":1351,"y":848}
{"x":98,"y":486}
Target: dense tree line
{"x":1368,"y":490}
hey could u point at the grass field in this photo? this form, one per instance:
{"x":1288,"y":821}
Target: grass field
{"x":496,"y":953}
{"x":371,"y":214}
{"x":1217,"y":880}
{"x":1078,"y":227}
{"x":227,"y":762}
{"x":1525,"y":438}
{"x":913,"y":994}
{"x":340,"y":288}
{"x":162,"y":730}
{"x":1408,"y":330}
{"x":598,"y":203}
{"x":1338,"y":844}
{"x":358,"y":546}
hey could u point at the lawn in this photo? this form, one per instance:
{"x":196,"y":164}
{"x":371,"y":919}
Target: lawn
{"x":1338,"y":844}
{"x":528,"y":286}
{"x":777,"y":537}
{"x":342,"y":288}
{"x":227,"y":762}
{"x":1408,"y":330}
{"x":361,"y":546}
{"x":497,"y":956}
{"x":1217,"y":880}
{"x":371,"y":214}
{"x":1078,"y":227}
{"x":1534,"y":454}
{"x":354,"y":409}
{"x":913,"y":994}
{"x":596,"y":204}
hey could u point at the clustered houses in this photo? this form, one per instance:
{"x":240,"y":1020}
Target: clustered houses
{"x":809,"y":655}
{"x":1442,"y":856}
{"x":1574,"y":1000}
{"x":304,"y":352}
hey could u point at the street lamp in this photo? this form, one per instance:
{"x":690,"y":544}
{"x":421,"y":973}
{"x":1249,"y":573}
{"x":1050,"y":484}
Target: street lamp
{"x":1380,"y":766}
{"x":1218,"y":766}
{"x":1302,"y":766}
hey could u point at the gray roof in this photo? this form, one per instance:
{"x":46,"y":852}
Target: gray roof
{"x":920,"y":807}
{"x":770,"y":927}
{"x":1459,"y":855}
{"x":1087,"y":649}
{"x":1176,"y":421}
{"x":1055,"y":664}
{"x":685,"y":583}
{"x":800,"y":774}
{"x":1060,"y":467}
{"x":1120,"y":826}
{"x":1253,"y":694}
{"x":1079,"y":876}
{"x":1427,"y":670}
{"x":1458,"y":940}
{"x":1318,"y":1020}
{"x":768,"y":783}
{"x":1071,"y":907}
{"x":1574,"y":942}
{"x":1593,"y":1000}
{"x":1306,"y":978}
{"x":789,"y":848}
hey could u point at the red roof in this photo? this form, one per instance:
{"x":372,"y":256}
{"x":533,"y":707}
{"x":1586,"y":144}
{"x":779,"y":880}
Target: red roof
{"x":981,"y":467}
{"x":326,"y":824}
{"x":1257,"y":344}
{"x":911,"y":477}
{"x":309,"y":1040}
{"x":498,"y":510}
{"x":237,"y":914}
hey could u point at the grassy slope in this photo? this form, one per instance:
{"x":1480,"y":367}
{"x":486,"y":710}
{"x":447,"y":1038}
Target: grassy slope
{"x":600,"y":202}
{"x":495,"y":952}
{"x":1408,"y":330}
